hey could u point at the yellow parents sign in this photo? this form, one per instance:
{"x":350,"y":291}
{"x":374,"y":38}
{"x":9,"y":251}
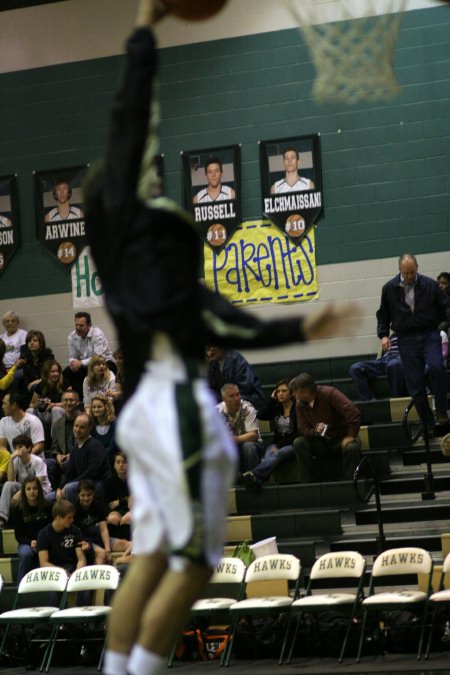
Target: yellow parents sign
{"x":259,"y":265}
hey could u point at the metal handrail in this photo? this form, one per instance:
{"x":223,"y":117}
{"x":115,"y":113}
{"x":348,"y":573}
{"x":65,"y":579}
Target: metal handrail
{"x":375,"y":489}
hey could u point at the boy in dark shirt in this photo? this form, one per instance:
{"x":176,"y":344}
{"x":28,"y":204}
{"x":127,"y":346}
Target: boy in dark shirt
{"x":90,"y":517}
{"x":59,"y":543}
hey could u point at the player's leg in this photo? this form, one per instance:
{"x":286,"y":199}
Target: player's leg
{"x":129,"y":603}
{"x":168,"y":608}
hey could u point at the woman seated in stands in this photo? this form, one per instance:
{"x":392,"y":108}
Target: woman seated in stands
{"x":117,"y":493}
{"x":46,"y":399}
{"x":30,"y":515}
{"x":279,"y":410}
{"x":99,"y":380}
{"x":35,"y":354}
{"x":103,"y":422}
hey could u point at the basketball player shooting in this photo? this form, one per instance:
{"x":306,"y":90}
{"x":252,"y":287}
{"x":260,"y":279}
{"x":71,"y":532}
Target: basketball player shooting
{"x":181,"y":457}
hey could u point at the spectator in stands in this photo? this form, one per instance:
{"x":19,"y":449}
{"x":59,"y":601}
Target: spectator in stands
{"x":103,"y":420}
{"x":17,"y":421}
{"x":227,"y":366}
{"x":414,"y":306}
{"x":280,"y":411}
{"x":59,"y":542}
{"x":62,"y":437}
{"x":7,"y":376}
{"x":445,"y":445}
{"x":46,"y":401}
{"x":99,"y":380}
{"x":363,"y":373}
{"x":35,"y":354}
{"x":117,"y":493}
{"x":90,"y":517}
{"x":241,"y":418}
{"x":328,"y":424}
{"x":21,"y":465}
{"x":85,"y":341}
{"x":13,"y":337}
{"x":117,"y":394}
{"x":87,"y":459}
{"x":444,"y":282}
{"x":28,"y":517}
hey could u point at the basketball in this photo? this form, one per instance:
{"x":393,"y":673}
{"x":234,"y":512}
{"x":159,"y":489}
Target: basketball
{"x":216,"y":235}
{"x":295,"y":225}
{"x":194,"y":10}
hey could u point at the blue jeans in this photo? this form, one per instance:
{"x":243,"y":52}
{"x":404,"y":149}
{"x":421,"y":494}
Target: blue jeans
{"x":249,"y":455}
{"x":363,"y":372}
{"x":28,"y":560}
{"x":272,"y":459}
{"x":420,"y":350}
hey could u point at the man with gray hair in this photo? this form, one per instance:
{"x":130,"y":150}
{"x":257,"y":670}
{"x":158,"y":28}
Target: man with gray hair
{"x":414,"y":305}
{"x":241,"y":418}
{"x":13,"y":337}
{"x":329,"y":426}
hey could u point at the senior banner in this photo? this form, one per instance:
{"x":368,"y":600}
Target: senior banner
{"x":259,"y":264}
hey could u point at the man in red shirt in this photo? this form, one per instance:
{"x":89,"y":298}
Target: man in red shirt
{"x":329,"y":426}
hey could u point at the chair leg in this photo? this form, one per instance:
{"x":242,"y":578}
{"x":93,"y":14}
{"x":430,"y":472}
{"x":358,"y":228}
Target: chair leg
{"x":51,"y":648}
{"x":172,"y":653}
{"x":100,"y":661}
{"x":285,"y":639}
{"x":361,"y":637}
{"x":347,"y":635}
{"x":225,"y":660}
{"x":294,"y":637}
{"x":430,"y":637}
{"x":5,"y":635}
{"x":422,"y":631}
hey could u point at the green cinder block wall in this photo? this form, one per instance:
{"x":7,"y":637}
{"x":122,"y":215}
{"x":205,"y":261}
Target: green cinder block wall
{"x":385,"y":165}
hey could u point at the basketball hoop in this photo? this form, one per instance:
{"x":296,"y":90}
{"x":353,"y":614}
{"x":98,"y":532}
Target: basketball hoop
{"x":353,"y":54}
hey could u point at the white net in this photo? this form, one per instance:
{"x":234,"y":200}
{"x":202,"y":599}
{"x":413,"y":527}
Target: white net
{"x":353,"y":56}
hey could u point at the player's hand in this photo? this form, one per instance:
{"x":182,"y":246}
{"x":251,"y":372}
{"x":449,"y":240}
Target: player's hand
{"x":331,"y":320}
{"x":150,"y":11}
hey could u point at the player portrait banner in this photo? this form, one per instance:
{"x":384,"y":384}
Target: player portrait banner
{"x":59,"y":213}
{"x":259,"y":264}
{"x":212,"y":192}
{"x":9,"y":219}
{"x":291,"y":178}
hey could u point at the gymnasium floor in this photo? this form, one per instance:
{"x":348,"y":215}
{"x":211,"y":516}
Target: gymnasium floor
{"x":392,"y":664}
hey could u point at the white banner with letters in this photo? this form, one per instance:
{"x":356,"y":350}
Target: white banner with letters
{"x":86,"y":285}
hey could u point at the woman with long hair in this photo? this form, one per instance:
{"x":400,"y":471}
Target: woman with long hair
{"x":99,"y":380}
{"x":279,"y":410}
{"x":35,"y":353}
{"x":46,"y":399}
{"x":28,"y":517}
{"x":103,"y":419}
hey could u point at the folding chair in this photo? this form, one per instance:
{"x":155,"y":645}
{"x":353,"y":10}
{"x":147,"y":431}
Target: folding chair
{"x":229,"y":572}
{"x":90,"y":578}
{"x":38,"y":581}
{"x":394,"y":562}
{"x":343,"y":566}
{"x":438,"y":600}
{"x":281,"y":566}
